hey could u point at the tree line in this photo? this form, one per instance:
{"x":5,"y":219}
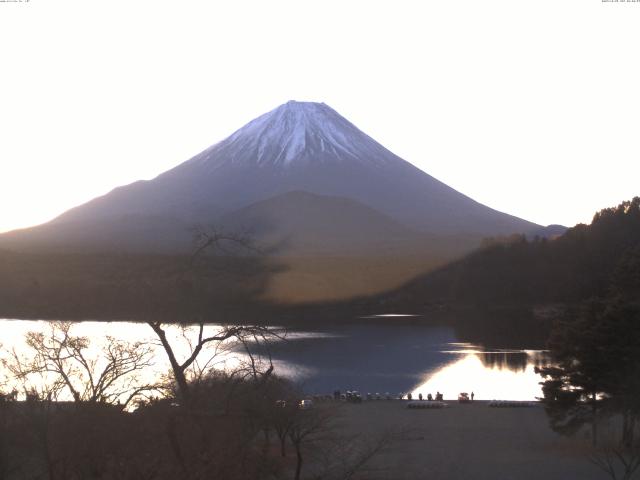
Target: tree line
{"x":594,"y":377}
{"x":516,"y":271}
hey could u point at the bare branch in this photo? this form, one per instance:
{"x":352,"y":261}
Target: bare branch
{"x":60,"y":361}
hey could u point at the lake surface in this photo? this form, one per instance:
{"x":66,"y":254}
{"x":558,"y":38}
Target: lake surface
{"x":409,"y":358}
{"x":376,"y":358}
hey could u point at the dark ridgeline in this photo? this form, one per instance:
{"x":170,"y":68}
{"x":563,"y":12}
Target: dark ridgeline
{"x":518,"y":272}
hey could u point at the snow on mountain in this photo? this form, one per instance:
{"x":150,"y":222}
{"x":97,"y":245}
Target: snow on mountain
{"x":300,"y":132}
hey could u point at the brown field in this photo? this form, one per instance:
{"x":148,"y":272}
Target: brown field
{"x":313,"y":279}
{"x":468,"y":441}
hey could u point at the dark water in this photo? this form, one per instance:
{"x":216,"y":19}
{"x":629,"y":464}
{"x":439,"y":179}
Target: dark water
{"x":408,"y":358}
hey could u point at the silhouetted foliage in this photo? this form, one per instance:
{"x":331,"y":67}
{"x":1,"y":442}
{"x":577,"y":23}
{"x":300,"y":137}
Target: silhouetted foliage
{"x":596,"y":348}
{"x":224,"y":432}
{"x":515,"y":271}
{"x":596,"y":367}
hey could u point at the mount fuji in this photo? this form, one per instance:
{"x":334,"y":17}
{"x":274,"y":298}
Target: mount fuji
{"x":300,"y":174}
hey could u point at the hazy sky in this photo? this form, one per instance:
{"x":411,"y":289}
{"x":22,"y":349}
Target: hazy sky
{"x":531,"y":107}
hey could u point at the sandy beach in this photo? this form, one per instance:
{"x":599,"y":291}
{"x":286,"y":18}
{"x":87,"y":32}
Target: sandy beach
{"x":469,"y":441}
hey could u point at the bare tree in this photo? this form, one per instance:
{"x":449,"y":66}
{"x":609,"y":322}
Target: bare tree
{"x":307,"y":426}
{"x":217,"y":335}
{"x":619,"y":459}
{"x":60,"y":362}
{"x":283,"y":420}
{"x":216,"y":242}
{"x":319,"y":442}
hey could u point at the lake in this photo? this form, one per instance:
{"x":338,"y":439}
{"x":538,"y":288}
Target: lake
{"x":372,"y":358}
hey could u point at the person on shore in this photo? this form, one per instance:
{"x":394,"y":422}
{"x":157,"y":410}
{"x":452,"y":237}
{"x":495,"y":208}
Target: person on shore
{"x":420,"y":396}
{"x":409,"y":396}
{"x":472,"y":395}
{"x":429,"y":397}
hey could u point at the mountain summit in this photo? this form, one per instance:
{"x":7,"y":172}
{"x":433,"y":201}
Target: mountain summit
{"x":297,"y":147}
{"x":297,"y":132}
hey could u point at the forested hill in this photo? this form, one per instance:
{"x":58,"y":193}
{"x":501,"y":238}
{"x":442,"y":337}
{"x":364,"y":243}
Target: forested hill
{"x":586,"y":261}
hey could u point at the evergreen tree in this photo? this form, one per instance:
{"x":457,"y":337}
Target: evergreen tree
{"x":596,"y":367}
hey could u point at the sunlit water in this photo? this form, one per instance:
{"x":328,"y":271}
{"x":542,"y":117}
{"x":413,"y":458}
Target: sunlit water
{"x":502,"y":374}
{"x":369,"y":358}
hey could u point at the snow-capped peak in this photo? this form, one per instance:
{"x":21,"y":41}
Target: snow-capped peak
{"x":298,"y":132}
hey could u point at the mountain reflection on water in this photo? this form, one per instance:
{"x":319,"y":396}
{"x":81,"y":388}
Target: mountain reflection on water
{"x":378,"y":357}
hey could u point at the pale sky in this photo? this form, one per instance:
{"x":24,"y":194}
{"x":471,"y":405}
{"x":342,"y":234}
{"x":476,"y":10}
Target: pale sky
{"x":530,"y":107}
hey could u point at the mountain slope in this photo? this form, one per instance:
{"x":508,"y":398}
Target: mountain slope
{"x":301,"y":147}
{"x":133,"y":232}
{"x":305,"y":223}
{"x":351,"y":217}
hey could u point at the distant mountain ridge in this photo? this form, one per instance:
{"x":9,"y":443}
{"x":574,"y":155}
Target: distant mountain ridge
{"x":297,"y":147}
